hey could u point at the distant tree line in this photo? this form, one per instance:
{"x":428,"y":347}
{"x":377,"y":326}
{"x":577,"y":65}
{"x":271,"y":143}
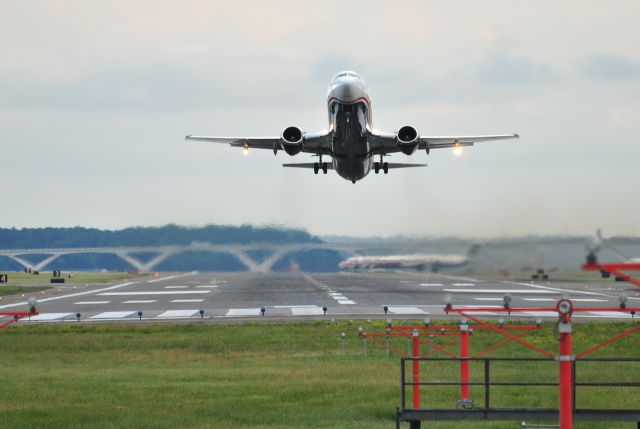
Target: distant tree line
{"x":25,"y":238}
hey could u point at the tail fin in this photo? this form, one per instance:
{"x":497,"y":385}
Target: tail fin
{"x":472,"y":251}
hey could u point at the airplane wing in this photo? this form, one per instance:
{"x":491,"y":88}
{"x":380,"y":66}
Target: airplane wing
{"x":401,"y":165}
{"x":317,"y":142}
{"x":386,"y":142}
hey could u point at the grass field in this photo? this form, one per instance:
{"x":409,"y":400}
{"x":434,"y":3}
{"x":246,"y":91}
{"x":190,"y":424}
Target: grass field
{"x":252,"y":376}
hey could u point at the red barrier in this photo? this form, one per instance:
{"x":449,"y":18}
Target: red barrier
{"x":616,"y":269}
{"x":16,"y":315}
{"x":415,"y":351}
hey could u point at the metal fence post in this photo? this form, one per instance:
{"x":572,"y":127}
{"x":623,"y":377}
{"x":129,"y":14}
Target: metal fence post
{"x":565,"y":358}
{"x":415,"y":352}
{"x":464,"y":363}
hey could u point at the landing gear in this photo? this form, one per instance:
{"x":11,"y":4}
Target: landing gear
{"x":324,"y":167}
{"x":316,"y":168}
{"x":377,"y":166}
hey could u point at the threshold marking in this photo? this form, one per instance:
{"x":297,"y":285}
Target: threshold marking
{"x":176,"y":313}
{"x":48,"y":316}
{"x":113,"y":315}
{"x":307,"y":311}
{"x":406,"y":310}
{"x":243,"y":312}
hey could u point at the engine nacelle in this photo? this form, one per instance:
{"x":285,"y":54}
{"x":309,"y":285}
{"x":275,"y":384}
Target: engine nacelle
{"x":292,"y":140}
{"x":408,"y":139}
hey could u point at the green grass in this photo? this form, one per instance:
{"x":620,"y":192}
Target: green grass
{"x":12,"y":290}
{"x":24,"y":279}
{"x":254,"y":375}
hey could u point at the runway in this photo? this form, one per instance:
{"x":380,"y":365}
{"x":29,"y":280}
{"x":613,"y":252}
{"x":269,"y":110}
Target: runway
{"x":297,"y":296}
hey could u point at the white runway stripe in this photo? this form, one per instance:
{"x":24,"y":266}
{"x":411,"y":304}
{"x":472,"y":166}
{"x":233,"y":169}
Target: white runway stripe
{"x":176,"y":313}
{"x":431,"y":284}
{"x":612,"y":314}
{"x":208,"y":286}
{"x":488,"y":299}
{"x":176,"y":287}
{"x":540,"y":299}
{"x":140,"y":301}
{"x":177,"y":292}
{"x":345,"y":302}
{"x":541,"y":313}
{"x":406,"y":310}
{"x":243,"y":312}
{"x":462,"y":284}
{"x":306,"y":311}
{"x":588,"y":300}
{"x":187,"y":300}
{"x":92,"y":302}
{"x":49,"y":316}
{"x":113,"y":315}
{"x":533,"y":292}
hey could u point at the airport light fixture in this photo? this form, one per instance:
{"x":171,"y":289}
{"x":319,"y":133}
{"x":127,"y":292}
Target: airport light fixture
{"x":140,"y":315}
{"x":448,"y":300}
{"x":386,"y":309}
{"x":389,"y":322}
{"x":33,"y":301}
{"x":507,"y":300}
{"x":201,"y":311}
{"x":324,"y":310}
{"x":78,"y":315}
{"x":262,"y":310}
{"x":427,"y":322}
{"x":623,"y":300}
{"x":501,"y":322}
{"x":538,"y":322}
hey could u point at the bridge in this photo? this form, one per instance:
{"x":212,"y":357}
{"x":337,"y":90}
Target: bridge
{"x":161,"y":253}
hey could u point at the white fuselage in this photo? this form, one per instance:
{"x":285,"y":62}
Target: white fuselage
{"x":349,"y":109}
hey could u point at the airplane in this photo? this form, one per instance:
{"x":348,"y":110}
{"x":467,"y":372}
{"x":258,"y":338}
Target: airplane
{"x":350,"y":140}
{"x":418,"y":262}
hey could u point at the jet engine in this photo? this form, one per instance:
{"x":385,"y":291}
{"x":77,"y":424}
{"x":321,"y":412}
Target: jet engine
{"x":292,"y":140}
{"x":408,"y":139}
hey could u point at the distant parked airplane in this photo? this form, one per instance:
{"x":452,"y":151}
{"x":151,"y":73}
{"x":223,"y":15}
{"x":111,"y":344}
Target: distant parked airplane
{"x":351,"y":140}
{"x":416,"y":262}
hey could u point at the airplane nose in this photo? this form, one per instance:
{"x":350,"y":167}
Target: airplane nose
{"x":346,"y":91}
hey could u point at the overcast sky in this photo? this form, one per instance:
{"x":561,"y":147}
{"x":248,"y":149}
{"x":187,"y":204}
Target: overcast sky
{"x":96,"y":98}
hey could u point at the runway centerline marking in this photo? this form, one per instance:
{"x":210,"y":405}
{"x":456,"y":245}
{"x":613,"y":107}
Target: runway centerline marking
{"x":91,"y":302}
{"x":533,"y":292}
{"x":177,"y":292}
{"x":141,"y":301}
{"x":555,"y":289}
{"x":187,"y":300}
{"x":176,"y":287}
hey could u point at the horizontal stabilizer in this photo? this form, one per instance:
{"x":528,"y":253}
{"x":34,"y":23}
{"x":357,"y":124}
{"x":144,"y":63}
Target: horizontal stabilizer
{"x":307,"y":165}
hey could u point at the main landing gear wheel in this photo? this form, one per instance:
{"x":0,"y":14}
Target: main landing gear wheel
{"x":376,"y":167}
{"x":324,"y":167}
{"x":385,"y":167}
{"x":316,"y":168}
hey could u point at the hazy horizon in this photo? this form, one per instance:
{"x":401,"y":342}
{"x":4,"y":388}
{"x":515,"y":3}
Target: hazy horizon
{"x":96,"y":98}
